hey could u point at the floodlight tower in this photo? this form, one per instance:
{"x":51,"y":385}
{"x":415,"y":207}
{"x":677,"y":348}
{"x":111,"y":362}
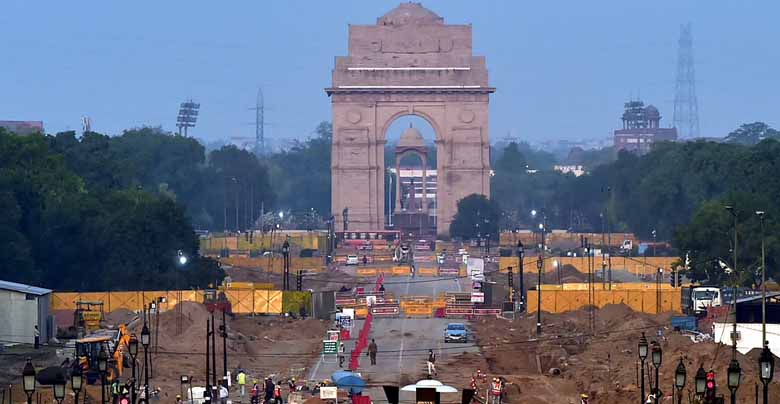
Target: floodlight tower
{"x":188,"y":115}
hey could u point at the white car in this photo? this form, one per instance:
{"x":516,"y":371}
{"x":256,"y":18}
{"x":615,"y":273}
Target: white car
{"x":352,"y":260}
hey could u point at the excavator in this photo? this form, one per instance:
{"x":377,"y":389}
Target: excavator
{"x":114,"y":342}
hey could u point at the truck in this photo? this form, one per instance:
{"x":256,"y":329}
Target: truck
{"x":456,"y":332}
{"x":703,"y":297}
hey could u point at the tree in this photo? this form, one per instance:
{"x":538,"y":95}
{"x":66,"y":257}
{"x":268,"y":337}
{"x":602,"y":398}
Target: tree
{"x":752,"y":133}
{"x":477,"y":216}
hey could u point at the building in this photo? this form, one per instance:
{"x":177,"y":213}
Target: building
{"x":22,"y":127}
{"x":575,"y":169}
{"x":22,"y":307}
{"x":641,"y":129}
{"x":748,"y":314}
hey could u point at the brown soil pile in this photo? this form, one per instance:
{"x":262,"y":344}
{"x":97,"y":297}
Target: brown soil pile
{"x":568,"y":359}
{"x":119,"y":316}
{"x":262,"y":345}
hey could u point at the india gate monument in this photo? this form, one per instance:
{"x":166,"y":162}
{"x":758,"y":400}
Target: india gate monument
{"x":409,"y":63}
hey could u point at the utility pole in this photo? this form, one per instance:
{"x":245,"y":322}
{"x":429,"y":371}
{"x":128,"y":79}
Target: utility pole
{"x":224,"y":343}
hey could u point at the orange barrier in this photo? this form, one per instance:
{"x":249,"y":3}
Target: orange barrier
{"x":276,"y":264}
{"x":636,"y":265}
{"x":401,"y":271}
{"x":242,"y":301}
{"x":417,"y":310}
{"x":427,"y":272}
{"x":646,"y":301}
{"x":366,"y":272}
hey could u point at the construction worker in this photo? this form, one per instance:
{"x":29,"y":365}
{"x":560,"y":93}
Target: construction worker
{"x":372,"y":350}
{"x":241,"y":378}
{"x":431,"y":363}
{"x":278,"y":394}
{"x":178,"y":399}
{"x":584,"y":398}
{"x":269,"y":389}
{"x":223,"y":394}
{"x":255,"y":392}
{"x":37,"y":335}
{"x":495,"y":391}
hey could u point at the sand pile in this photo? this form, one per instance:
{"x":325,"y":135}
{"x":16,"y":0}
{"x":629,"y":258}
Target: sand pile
{"x":568,"y":359}
{"x":119,"y":316}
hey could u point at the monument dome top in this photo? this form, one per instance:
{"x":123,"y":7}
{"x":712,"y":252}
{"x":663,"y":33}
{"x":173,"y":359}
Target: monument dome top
{"x":409,"y":13}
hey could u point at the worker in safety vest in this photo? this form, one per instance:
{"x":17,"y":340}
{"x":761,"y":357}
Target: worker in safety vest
{"x":495,"y":391}
{"x":115,"y":390}
{"x":241,"y":382}
{"x":255,"y":392}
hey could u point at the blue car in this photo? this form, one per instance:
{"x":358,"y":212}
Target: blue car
{"x":456,"y":332}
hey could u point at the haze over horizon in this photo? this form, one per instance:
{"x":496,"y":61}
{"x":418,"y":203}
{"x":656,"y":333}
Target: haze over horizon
{"x":562,"y":69}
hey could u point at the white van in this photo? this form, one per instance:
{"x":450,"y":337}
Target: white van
{"x":352,"y":260}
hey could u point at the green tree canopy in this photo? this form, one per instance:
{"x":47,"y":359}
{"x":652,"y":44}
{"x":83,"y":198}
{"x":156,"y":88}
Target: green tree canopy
{"x":477,"y":216}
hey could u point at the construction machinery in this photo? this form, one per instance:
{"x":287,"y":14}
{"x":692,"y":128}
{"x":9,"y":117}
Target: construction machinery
{"x":215,"y":299}
{"x":114,"y":342}
{"x":88,"y":316}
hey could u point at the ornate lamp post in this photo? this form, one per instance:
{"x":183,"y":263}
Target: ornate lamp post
{"x":102,"y":367}
{"x":656,"y":356}
{"x":286,"y":264}
{"x":679,"y":380}
{"x":642,"y":357}
{"x":766,"y":365}
{"x":132,"y":349}
{"x":145,"y":340}
{"x":28,"y":380}
{"x":701,"y":382}
{"x":520,"y":256}
{"x":76,"y":381}
{"x":734,"y":373}
{"x":539,"y":264}
{"x":59,"y":388}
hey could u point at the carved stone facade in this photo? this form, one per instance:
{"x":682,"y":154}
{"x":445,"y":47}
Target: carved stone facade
{"x":409,"y":63}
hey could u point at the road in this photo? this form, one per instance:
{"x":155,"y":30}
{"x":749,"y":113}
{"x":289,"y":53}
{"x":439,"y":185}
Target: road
{"x":403,"y":342}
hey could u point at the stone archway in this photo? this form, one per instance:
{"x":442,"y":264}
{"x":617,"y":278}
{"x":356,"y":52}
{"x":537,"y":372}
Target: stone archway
{"x":409,"y":63}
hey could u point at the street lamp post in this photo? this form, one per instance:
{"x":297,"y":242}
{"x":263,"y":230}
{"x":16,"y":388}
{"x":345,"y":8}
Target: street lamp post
{"x":701,"y":382}
{"x":766,"y":365}
{"x":76,"y":381}
{"x":520,"y":256}
{"x":145,"y":340}
{"x":59,"y":388}
{"x":734,"y":373}
{"x":761,"y":215}
{"x":132,"y":349}
{"x":286,"y":259}
{"x":679,"y":380}
{"x":656,"y":356}
{"x":28,"y":380}
{"x":539,"y":263}
{"x":102,"y":367}
{"x":642,"y":356}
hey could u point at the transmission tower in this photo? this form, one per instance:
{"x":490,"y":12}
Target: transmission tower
{"x":686,"y":107}
{"x":259,"y":123}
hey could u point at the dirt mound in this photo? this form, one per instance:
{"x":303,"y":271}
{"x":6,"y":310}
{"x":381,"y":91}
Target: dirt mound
{"x":119,"y":316}
{"x":569,"y":274}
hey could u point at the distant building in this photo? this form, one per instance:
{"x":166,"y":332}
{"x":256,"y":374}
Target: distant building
{"x":577,"y":170}
{"x":22,"y":127}
{"x":22,"y":307}
{"x":641,"y":129}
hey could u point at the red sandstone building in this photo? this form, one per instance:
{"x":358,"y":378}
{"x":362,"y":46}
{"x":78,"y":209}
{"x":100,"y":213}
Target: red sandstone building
{"x":641,"y":129}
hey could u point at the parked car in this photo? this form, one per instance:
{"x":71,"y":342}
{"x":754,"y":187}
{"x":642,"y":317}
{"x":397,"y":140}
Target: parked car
{"x":456,"y":332}
{"x":352,"y":260}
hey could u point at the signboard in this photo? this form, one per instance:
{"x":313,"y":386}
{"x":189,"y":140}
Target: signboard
{"x":329,"y":392}
{"x":330,"y":347}
{"x":477,"y":297}
{"x":345,"y":322}
{"x":476,"y":269}
{"x":333,"y":335}
{"x":370,"y":300}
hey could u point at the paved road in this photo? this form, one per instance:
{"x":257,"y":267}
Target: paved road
{"x":403,"y":342}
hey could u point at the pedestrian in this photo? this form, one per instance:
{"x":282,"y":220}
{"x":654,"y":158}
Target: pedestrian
{"x":431,"y":363}
{"x":269,"y":389}
{"x":372,"y":350}
{"x":223,"y":394}
{"x":365,"y":261}
{"x":584,"y":398}
{"x":495,"y":391}
{"x":291,"y":385}
{"x":342,"y":352}
{"x":241,"y":378}
{"x":37,"y":335}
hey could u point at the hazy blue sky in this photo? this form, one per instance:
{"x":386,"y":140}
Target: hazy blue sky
{"x":562,"y":68}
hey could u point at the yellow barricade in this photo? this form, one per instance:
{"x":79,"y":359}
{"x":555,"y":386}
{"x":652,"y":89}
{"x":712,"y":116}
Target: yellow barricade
{"x":427,"y":272}
{"x":361,"y":312}
{"x":640,"y":300}
{"x":401,"y":271}
{"x":418,"y":310}
{"x":366,"y":272}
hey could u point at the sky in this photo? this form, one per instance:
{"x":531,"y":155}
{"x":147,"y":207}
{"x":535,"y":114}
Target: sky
{"x":563,"y":69}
